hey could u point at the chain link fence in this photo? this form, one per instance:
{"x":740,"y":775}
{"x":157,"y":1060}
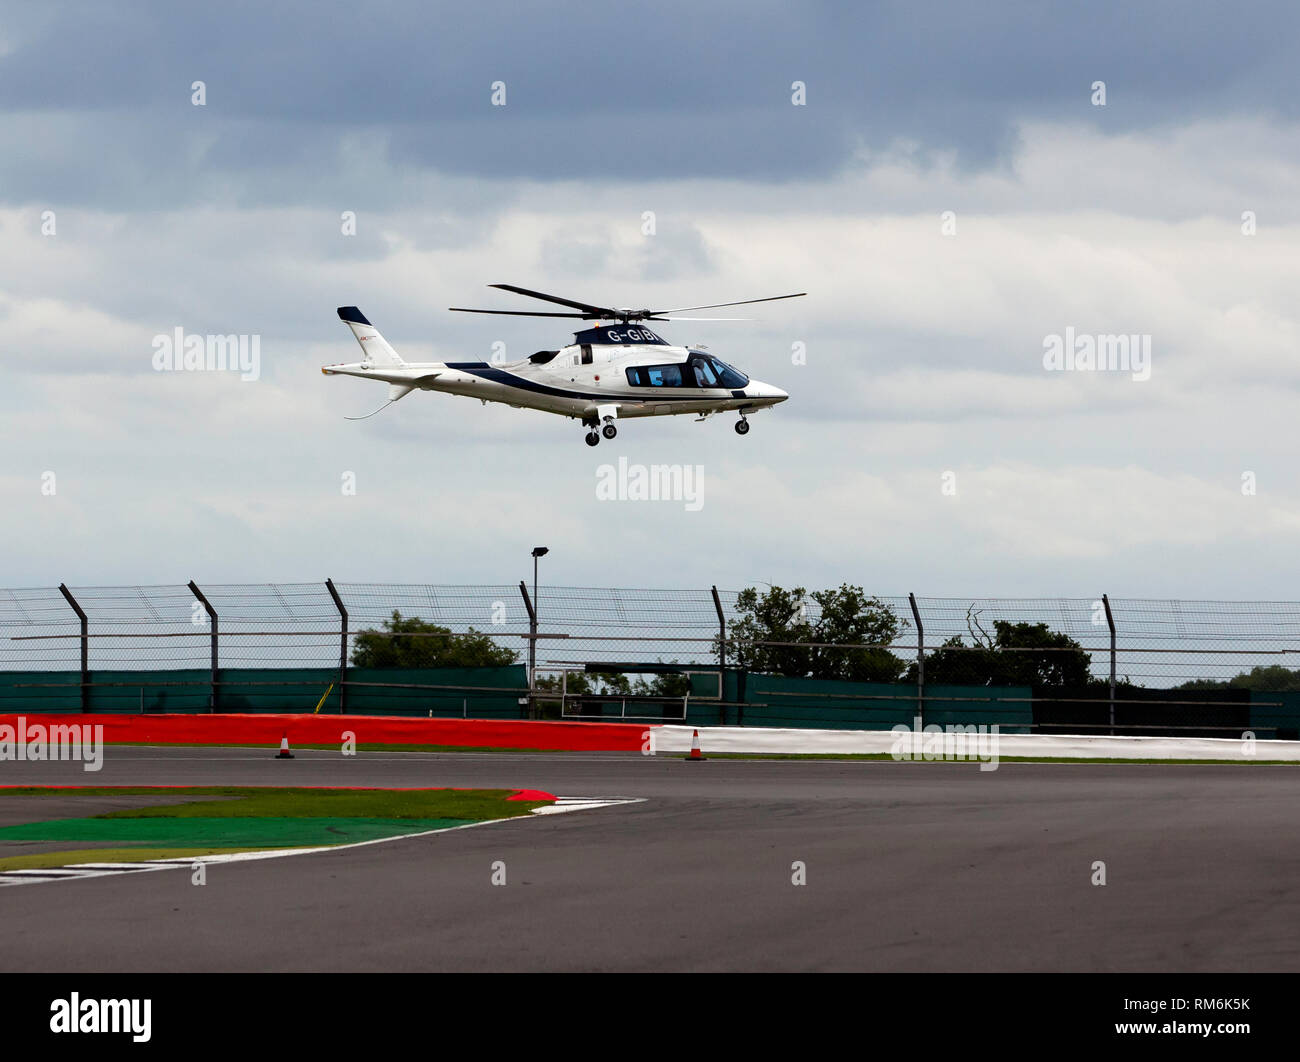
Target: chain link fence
{"x":1155,"y":651}
{"x":1158,"y":643}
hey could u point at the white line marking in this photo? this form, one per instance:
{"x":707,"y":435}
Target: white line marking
{"x":577,"y":804}
{"x":79,"y":871}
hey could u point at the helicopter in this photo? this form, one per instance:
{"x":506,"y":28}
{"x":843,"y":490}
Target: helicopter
{"x":609,"y":372}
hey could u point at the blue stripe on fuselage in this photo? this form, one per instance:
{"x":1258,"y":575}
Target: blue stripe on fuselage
{"x":485,"y":371}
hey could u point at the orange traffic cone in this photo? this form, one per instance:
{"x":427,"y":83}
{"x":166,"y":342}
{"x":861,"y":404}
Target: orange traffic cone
{"x":284,"y":753}
{"x":695,"y":756}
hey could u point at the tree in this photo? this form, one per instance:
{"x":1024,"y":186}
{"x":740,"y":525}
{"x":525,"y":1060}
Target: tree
{"x":846,"y":616}
{"x":662,"y":684}
{"x":434,"y":649}
{"x":615,"y":684}
{"x":579,"y":684}
{"x":1270,"y":678}
{"x":1015,"y":654}
{"x":589,"y":683}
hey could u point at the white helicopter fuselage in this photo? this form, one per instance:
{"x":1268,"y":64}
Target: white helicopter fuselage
{"x":620,"y":372}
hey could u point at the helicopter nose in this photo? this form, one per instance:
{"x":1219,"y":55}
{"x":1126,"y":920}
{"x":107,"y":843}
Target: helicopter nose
{"x":771,"y":395}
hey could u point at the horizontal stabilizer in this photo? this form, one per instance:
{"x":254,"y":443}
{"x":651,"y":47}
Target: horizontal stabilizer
{"x":401,"y":390}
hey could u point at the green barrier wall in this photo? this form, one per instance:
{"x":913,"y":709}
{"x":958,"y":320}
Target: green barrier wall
{"x":475,"y":704}
{"x":494,"y":693}
{"x":151,"y":691}
{"x":773,"y":700}
{"x":1278,"y":712}
{"x":1010,"y":707}
{"x":274,"y":690}
{"x":40,"y":691}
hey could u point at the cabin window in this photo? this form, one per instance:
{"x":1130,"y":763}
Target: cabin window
{"x":664,"y":375}
{"x":586,"y":354}
{"x":655,"y":376}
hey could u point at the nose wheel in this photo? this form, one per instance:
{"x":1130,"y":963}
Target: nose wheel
{"x":592,"y":438}
{"x":742,"y":426}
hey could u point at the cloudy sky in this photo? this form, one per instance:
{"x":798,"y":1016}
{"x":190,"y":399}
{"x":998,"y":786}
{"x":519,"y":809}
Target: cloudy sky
{"x":924,"y":448}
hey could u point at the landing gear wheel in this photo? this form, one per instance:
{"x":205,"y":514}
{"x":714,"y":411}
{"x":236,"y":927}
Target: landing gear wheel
{"x":609,"y":431}
{"x":592,"y":438}
{"x":742,"y":426}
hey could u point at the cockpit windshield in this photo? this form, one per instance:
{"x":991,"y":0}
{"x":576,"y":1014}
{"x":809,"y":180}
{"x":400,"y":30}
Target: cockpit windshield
{"x":727,"y":376}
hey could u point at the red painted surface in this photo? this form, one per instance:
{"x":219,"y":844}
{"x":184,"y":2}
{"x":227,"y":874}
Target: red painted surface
{"x":267,"y":728}
{"x":530,"y":794}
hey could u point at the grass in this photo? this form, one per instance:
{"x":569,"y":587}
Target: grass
{"x":255,"y":802}
{"x":230,"y":832}
{"x":265,"y":801}
{"x":245,"y":819}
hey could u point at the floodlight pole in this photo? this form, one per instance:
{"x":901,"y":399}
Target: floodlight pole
{"x":532,"y":644}
{"x":538,"y":553}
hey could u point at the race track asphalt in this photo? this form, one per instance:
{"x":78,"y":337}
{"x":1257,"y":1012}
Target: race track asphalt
{"x":908,"y":867}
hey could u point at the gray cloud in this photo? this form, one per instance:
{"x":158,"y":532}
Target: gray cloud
{"x":671,"y":90}
{"x":923,"y":351}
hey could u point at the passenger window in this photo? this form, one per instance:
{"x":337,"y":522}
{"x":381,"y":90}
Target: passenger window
{"x":586,"y":354}
{"x":655,"y":376}
{"x":665,"y":376}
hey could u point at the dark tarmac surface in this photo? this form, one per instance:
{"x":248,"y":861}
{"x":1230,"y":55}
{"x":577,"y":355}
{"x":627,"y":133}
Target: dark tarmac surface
{"x":909,"y":867}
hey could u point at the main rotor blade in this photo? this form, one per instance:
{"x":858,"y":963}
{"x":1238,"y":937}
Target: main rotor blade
{"x":526,"y":313}
{"x":589,"y":316}
{"x":719,"y":305}
{"x":603,"y":311}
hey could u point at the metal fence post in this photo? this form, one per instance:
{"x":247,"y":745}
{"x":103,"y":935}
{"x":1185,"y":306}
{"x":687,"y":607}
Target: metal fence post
{"x":85,"y":645}
{"x":722,"y":654}
{"x":920,"y":659}
{"x":532,"y":650}
{"x":343,"y":646}
{"x":212,"y":618}
{"x":1110,"y":622}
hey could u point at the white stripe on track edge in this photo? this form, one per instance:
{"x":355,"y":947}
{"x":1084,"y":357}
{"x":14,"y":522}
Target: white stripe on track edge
{"x":80,"y":871}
